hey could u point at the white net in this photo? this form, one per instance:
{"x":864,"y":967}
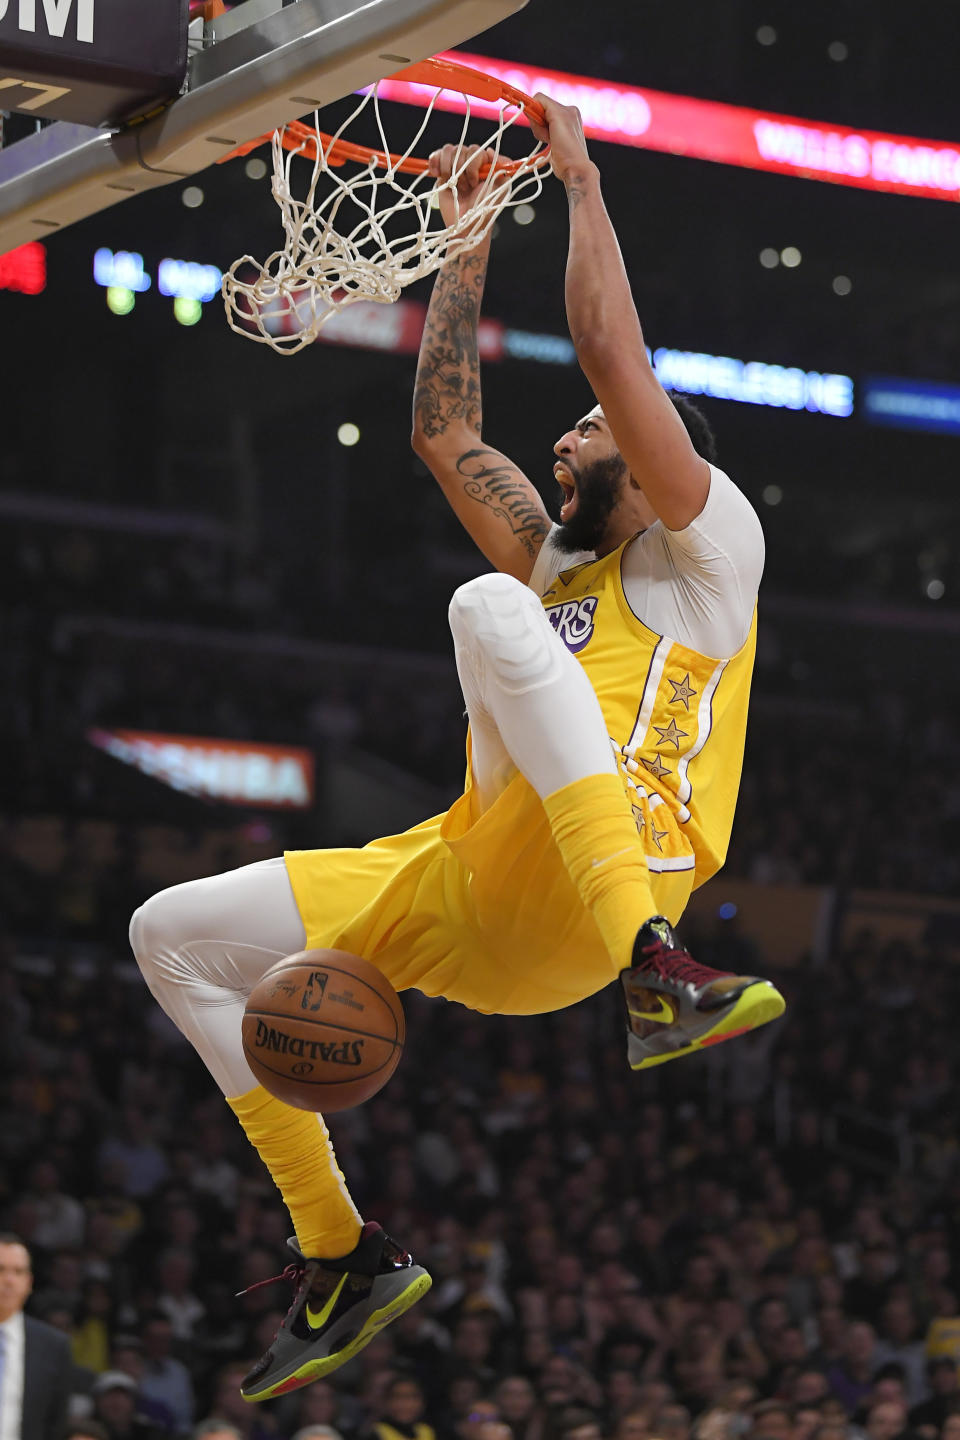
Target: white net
{"x":368,"y":233}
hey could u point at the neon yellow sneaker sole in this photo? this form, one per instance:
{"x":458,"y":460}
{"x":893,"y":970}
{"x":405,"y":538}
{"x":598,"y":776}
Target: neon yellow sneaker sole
{"x":757,"y":1005}
{"x":320,"y":1365}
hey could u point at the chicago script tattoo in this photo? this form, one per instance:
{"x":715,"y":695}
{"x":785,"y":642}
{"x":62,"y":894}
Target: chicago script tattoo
{"x":490,"y":480}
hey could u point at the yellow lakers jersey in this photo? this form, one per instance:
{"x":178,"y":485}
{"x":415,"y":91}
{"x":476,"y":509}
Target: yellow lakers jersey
{"x":676,"y":719}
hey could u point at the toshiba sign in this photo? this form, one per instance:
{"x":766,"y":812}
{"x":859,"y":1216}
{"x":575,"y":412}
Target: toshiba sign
{"x":235,"y":772}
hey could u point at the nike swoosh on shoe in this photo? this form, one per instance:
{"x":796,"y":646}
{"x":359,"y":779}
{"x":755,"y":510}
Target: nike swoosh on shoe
{"x":664,"y":1016}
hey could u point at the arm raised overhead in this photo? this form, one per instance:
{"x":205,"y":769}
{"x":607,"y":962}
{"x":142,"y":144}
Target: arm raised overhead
{"x":606,"y":334}
{"x":495,"y":502}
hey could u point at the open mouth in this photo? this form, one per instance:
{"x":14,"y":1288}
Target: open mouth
{"x":568,"y":491}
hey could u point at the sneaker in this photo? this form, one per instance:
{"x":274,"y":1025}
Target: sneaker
{"x":675,"y":1006}
{"x":338,"y":1307}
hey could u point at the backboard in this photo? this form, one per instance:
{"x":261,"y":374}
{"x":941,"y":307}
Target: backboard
{"x":260,"y":65}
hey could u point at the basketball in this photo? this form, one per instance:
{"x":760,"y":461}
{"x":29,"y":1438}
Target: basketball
{"x":323,"y":1030}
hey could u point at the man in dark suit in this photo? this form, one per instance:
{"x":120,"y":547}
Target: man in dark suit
{"x":35,"y":1362}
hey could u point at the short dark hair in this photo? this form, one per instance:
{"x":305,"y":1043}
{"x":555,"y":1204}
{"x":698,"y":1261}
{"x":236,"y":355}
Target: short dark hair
{"x":697,"y":426}
{"x":402,"y":1377}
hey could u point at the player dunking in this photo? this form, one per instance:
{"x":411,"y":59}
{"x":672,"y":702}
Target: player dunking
{"x":607,"y":725}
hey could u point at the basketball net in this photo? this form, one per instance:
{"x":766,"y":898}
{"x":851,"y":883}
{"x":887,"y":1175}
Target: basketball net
{"x":369,"y":233}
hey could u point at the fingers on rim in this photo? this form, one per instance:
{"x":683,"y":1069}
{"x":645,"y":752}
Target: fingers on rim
{"x":466,"y":160}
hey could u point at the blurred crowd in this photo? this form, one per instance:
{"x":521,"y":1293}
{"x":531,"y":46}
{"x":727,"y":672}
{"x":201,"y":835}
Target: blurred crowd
{"x":762,"y":1242}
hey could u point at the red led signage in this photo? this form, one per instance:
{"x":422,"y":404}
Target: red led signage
{"x":729,"y":134}
{"x":24,"y":269}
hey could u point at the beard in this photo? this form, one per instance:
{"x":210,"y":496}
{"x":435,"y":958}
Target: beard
{"x":599,"y":486}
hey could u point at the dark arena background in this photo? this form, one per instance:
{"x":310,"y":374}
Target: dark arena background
{"x":224,"y":583}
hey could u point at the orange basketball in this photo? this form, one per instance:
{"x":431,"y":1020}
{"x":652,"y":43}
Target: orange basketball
{"x":323,"y":1030}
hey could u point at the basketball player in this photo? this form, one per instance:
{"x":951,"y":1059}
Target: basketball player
{"x":606,"y":668}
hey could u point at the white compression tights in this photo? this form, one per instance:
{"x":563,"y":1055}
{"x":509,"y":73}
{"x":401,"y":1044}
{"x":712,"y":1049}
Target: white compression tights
{"x":203,"y":946}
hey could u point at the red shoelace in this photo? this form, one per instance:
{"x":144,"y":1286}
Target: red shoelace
{"x":292,"y":1272}
{"x":676,"y":965}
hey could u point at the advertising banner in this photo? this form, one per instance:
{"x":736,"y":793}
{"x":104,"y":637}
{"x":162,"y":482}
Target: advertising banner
{"x":233,"y":772}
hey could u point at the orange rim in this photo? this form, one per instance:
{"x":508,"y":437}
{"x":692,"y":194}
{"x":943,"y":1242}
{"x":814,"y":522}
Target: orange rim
{"x":444,"y":75}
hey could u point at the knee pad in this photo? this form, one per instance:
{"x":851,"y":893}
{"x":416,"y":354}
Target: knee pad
{"x":163,"y":938}
{"x":502,"y":620}
{"x":136,"y":931}
{"x":145,"y":932}
{"x":156,"y":931}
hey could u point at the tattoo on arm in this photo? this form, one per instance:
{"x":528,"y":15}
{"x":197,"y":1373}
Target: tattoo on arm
{"x":492,"y":481}
{"x":575,"y":193}
{"x":448,"y":372}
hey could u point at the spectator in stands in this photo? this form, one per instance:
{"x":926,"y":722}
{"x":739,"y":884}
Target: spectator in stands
{"x":943,"y":1333}
{"x":888,"y":1388}
{"x":37,"y":1369}
{"x":212,"y":1172}
{"x":252,"y":1422}
{"x":176,"y":1298}
{"x":127,"y":1356}
{"x":141,"y":1160}
{"x":851,"y":1379}
{"x":518,"y":1407}
{"x":116,"y":1407}
{"x":899,"y":1343}
{"x":886,"y":1421}
{"x":944,"y":1399}
{"x":321,"y":1406}
{"x":866,"y":1294}
{"x":402,"y":1412}
{"x":90,"y":1332}
{"x":59,"y":1218}
{"x":165,"y":1380}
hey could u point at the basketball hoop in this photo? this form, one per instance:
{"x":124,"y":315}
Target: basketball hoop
{"x":366,"y":235}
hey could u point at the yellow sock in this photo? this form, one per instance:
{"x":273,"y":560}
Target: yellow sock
{"x":597,"y":835}
{"x":295,"y":1147}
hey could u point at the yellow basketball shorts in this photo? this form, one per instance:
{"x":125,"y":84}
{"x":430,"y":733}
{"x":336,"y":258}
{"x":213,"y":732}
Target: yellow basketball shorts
{"x":478,"y":908}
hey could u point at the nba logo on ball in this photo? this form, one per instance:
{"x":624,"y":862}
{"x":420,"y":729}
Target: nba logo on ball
{"x":315,"y":1013}
{"x":314,"y":991}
